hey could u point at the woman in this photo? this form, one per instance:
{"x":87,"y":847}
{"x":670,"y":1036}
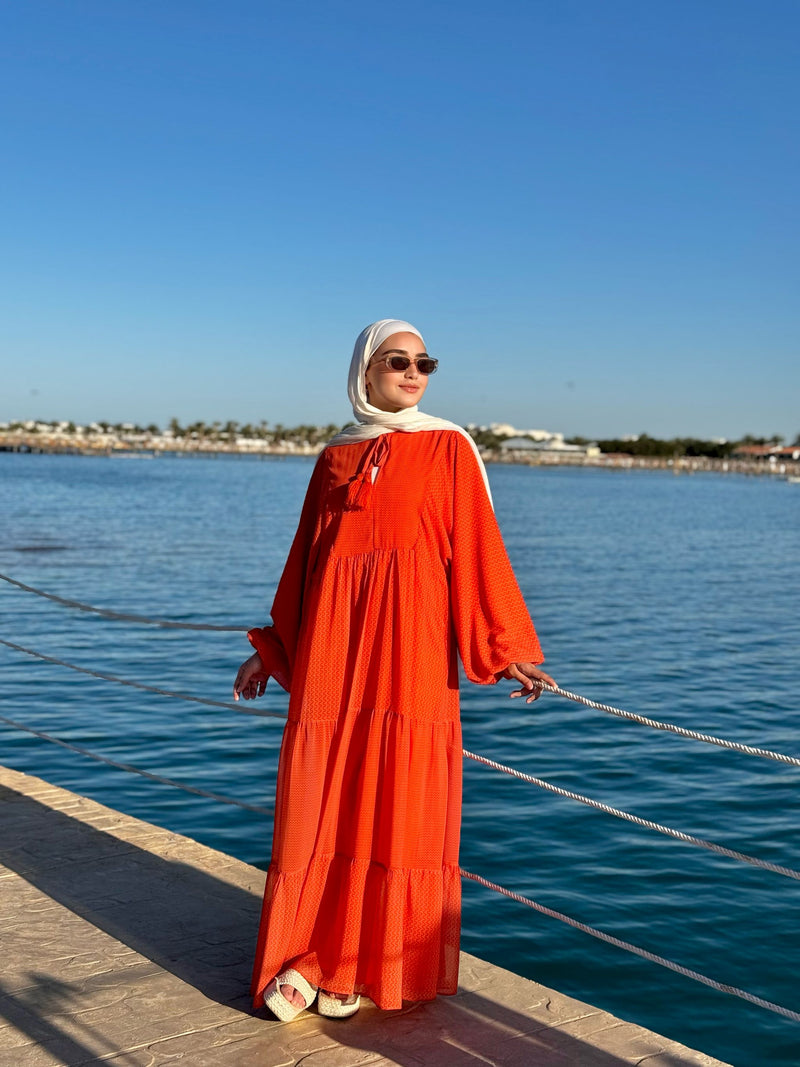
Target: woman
{"x":397,"y":567}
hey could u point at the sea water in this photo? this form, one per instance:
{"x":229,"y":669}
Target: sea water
{"x":671,"y":596}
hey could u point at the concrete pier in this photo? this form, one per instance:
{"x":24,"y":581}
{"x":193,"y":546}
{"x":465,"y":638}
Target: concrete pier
{"x":123,"y":943}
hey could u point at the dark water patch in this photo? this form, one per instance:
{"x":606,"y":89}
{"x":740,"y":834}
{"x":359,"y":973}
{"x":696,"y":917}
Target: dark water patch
{"x":39,"y":548}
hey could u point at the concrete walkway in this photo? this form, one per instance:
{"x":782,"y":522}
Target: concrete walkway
{"x":123,"y":943}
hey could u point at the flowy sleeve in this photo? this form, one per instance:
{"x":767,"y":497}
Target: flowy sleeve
{"x":277,"y":644}
{"x":492,"y":624}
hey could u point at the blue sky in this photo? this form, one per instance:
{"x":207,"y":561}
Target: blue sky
{"x":589,"y":208}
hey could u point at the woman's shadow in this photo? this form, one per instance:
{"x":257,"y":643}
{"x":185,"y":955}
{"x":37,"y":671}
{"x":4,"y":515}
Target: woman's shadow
{"x":196,"y":922}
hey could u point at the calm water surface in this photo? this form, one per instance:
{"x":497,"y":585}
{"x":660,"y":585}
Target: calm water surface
{"x":675,"y":597}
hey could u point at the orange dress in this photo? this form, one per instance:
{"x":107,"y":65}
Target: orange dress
{"x":387,"y":581}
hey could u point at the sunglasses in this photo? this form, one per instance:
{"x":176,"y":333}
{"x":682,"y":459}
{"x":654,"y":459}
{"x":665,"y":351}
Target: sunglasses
{"x":424,"y":364}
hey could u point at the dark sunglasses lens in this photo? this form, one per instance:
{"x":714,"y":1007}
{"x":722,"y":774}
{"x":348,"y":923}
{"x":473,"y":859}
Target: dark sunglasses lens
{"x":427,"y":366}
{"x":399,"y":362}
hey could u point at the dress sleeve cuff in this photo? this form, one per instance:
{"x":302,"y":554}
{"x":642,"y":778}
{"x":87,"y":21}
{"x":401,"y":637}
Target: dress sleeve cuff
{"x":272,"y":654}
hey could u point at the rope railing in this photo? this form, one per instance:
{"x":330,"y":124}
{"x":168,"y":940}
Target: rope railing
{"x":642,"y":720}
{"x":261,"y":713}
{"x":119,"y":616}
{"x":138,"y":770}
{"x":550,"y":912}
{"x":687,"y":972}
{"x":648,"y":824}
{"x":652,"y":957}
{"x":678,"y":835}
{"x":681,"y":731}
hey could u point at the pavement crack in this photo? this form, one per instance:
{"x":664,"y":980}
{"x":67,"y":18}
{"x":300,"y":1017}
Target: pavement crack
{"x":314,"y":1052}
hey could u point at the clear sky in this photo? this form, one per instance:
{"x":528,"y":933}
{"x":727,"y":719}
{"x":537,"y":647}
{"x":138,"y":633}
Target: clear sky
{"x":590,"y":208}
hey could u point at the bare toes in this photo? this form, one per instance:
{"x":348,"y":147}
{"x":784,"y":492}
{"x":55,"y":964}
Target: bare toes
{"x":292,"y":995}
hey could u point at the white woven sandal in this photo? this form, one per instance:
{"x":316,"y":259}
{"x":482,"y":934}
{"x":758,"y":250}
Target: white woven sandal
{"x":333,"y":1008}
{"x":277,"y":1002}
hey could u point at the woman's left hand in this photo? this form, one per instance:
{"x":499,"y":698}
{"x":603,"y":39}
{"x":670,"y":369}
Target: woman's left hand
{"x":527,"y":673}
{"x":251,"y":679}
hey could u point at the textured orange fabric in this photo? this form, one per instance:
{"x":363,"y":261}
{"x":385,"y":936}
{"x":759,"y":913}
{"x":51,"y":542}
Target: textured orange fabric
{"x":387,"y":581}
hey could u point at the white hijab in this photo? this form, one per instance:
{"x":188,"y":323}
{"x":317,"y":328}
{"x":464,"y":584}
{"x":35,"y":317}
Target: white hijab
{"x":372,"y":421}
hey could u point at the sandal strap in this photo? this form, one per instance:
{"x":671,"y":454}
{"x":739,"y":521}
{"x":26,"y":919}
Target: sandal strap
{"x":293,"y":978}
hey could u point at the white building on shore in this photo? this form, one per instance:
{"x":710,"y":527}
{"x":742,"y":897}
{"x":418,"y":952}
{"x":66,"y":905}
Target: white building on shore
{"x":518,"y":442}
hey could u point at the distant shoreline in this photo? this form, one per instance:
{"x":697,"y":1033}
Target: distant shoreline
{"x":618,"y":462}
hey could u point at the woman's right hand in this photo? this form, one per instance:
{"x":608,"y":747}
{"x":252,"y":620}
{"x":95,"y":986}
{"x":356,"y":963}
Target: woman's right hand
{"x":251,"y":679}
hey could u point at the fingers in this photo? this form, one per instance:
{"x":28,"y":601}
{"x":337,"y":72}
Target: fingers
{"x":532,"y":678}
{"x":513,"y":671}
{"x":251,"y":680}
{"x":531,"y":694}
{"x":244,"y":685}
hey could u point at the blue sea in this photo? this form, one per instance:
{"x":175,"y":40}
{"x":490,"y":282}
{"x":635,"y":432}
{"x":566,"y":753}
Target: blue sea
{"x":672,"y":596}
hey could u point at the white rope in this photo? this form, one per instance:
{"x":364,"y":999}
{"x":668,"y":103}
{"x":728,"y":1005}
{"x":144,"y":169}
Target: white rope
{"x":679,"y":835}
{"x":647,"y":823}
{"x":723,"y":987}
{"x":655,"y":724}
{"x":138,"y":770}
{"x":148,"y":688}
{"x":609,"y":938}
{"x":710,"y":739}
{"x":166,"y":623}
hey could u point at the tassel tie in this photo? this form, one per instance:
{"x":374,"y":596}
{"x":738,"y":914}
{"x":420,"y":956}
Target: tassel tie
{"x":361,"y":487}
